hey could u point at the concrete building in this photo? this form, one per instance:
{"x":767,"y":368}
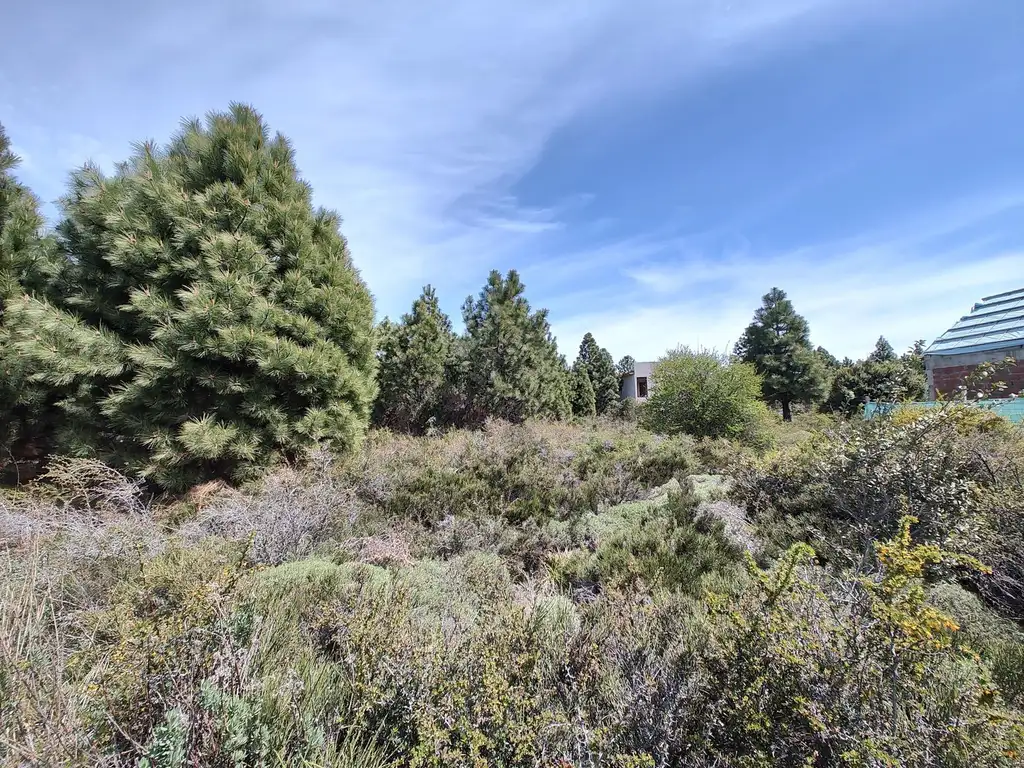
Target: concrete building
{"x":993,"y":331}
{"x":637,"y":385}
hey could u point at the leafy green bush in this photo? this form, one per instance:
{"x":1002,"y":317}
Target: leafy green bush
{"x":956,"y":468}
{"x":887,"y":381}
{"x":704,"y":394}
{"x":853,"y":485}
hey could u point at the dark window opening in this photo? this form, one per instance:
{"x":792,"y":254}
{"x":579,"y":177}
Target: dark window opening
{"x":641,"y":386}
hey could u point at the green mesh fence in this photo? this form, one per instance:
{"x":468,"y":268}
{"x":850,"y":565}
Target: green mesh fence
{"x":1010,"y":408}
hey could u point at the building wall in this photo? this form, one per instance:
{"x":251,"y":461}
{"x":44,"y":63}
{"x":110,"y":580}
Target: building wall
{"x":641,"y":370}
{"x":947,"y":372}
{"x":628,"y":389}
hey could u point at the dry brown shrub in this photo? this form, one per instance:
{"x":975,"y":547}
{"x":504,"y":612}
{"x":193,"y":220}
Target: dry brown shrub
{"x":205,"y":494}
{"x":91,"y":486}
{"x":387,"y":549}
{"x":288,"y":517}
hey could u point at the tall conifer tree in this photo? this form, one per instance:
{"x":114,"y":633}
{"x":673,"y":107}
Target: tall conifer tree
{"x":600,"y":367}
{"x":413,"y":356}
{"x":883,"y":351}
{"x":778,"y":344}
{"x":581,"y":392}
{"x":513,"y":369}
{"x":217,"y":322}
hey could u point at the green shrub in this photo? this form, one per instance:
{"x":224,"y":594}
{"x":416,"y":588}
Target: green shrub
{"x":956,"y":468}
{"x":627,"y":410}
{"x":888,"y":381}
{"x":850,"y":486}
{"x":612,"y":472}
{"x":851,"y":670}
{"x":999,"y":641}
{"x":517,"y":687}
{"x":194,"y":661}
{"x":628,"y":635}
{"x":517,"y":472}
{"x":308,"y":584}
{"x":719,"y":454}
{"x":670,"y":546}
{"x":704,"y":394}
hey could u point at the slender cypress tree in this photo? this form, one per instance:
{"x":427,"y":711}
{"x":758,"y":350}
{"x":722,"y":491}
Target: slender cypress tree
{"x":217,"y":322}
{"x":581,"y":392}
{"x":413,"y":356}
{"x":600,"y":367}
{"x":778,"y":344}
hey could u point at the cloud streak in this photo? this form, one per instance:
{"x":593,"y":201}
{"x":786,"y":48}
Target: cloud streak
{"x":404,"y":113}
{"x":905,"y":283}
{"x":416,"y":119}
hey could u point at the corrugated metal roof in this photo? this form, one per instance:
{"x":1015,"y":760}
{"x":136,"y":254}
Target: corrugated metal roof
{"x":995,"y":322}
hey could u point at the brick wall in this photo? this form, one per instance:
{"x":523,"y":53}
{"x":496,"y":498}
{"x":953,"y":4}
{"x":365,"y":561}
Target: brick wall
{"x":946,"y":379}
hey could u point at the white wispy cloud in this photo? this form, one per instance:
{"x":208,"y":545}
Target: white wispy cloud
{"x":908,"y":282}
{"x":411,"y":118}
{"x":415,"y":119}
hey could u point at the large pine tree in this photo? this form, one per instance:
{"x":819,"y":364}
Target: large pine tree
{"x":28,"y":264}
{"x":216,"y":320}
{"x":778,"y":344}
{"x":600,"y":367}
{"x":512,"y":367}
{"x":413,"y":356}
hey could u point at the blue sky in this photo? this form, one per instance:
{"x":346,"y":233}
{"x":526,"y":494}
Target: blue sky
{"x":651,"y":167}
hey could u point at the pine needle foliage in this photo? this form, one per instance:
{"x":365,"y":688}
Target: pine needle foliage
{"x":581,"y":392}
{"x":600,"y":367}
{"x":778,"y":345}
{"x":513,"y":369}
{"x":214,"y":321}
{"x":883,"y":351}
{"x":413,"y":356}
{"x":27,"y":263}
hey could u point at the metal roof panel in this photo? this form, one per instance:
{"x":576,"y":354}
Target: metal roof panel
{"x":995,"y":322}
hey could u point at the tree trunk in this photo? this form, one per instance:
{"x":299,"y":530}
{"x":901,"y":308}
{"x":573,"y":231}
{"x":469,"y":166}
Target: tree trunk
{"x":787,"y":414}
